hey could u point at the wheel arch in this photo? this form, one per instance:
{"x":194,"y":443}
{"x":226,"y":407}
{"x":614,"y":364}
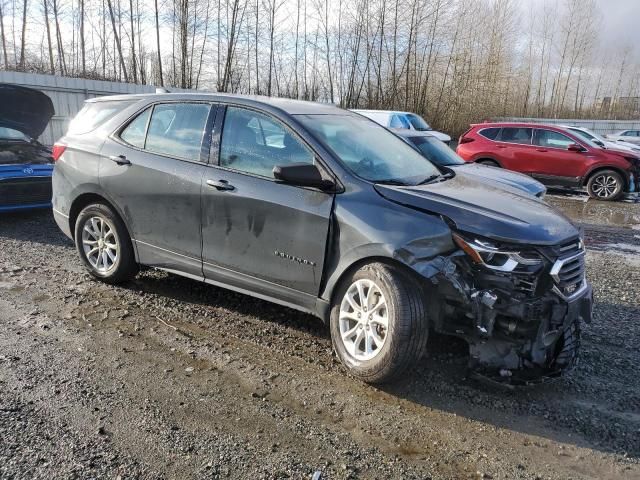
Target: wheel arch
{"x":87,"y":198}
{"x":600,"y":168}
{"x":333,"y":288}
{"x":482,"y":158}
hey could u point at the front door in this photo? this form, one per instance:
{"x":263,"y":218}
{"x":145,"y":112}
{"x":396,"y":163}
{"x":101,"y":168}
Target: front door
{"x":153,"y":171}
{"x":260,"y":234}
{"x":552,"y":162}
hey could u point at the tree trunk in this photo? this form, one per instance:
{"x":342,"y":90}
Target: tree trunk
{"x":117,"y":40}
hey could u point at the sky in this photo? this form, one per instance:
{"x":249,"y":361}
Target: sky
{"x":619,"y":22}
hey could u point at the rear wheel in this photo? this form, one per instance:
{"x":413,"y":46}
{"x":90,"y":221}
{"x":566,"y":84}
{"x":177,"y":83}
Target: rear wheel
{"x":605,"y":185}
{"x":489,"y":163}
{"x":378,"y":323}
{"x":104,"y":244}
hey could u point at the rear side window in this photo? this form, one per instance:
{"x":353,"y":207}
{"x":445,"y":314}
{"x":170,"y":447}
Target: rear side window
{"x":176,"y":129}
{"x":552,"y":139}
{"x":490,"y":133}
{"x":516,"y":135}
{"x":631,"y":133}
{"x":94,"y":114}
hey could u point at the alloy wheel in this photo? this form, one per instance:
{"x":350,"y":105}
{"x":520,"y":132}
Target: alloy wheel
{"x":100,"y":244}
{"x":604,"y":186}
{"x":363,"y":320}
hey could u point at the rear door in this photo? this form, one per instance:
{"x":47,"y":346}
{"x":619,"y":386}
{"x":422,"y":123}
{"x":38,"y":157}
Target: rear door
{"x":260,"y":234}
{"x":152,"y":169}
{"x":552,"y":162}
{"x":513,"y":147}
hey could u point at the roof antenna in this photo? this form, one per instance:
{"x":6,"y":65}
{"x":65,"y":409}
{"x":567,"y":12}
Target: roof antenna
{"x":162,"y":90}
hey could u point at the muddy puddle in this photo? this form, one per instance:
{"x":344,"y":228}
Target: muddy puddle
{"x":586,"y":211}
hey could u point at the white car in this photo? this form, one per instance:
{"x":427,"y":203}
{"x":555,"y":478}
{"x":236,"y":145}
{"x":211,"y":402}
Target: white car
{"x":402,"y":120}
{"x":602,"y":141}
{"x":631,"y":136}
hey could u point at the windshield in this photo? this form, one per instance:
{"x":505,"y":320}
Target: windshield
{"x":11,"y":134}
{"x":418,"y":122}
{"x":436,"y":151}
{"x":369,"y":150}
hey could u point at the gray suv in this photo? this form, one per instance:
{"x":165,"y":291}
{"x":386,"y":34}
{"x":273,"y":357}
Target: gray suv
{"x":322,"y":210}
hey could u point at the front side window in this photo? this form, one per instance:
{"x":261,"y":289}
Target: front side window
{"x":254,"y":143}
{"x":369,"y":150}
{"x":516,"y":135}
{"x":552,"y":139}
{"x":177,"y":129}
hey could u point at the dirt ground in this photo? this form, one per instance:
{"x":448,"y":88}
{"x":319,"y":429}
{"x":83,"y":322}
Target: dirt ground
{"x":168,"y":378}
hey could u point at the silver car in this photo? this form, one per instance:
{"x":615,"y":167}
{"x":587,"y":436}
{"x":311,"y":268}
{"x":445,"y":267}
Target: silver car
{"x":631,"y":136}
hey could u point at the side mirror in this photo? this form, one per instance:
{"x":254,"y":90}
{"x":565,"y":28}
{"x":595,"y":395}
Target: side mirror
{"x":574,"y":147}
{"x":302,"y":175}
{"x":599,"y":143}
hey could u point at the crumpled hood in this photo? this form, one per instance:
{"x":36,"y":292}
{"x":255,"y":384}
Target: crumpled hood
{"x":503,"y":176}
{"x":24,"y":109}
{"x":502,"y":214}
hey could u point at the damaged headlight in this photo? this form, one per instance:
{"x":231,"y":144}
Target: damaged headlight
{"x":486,"y":253}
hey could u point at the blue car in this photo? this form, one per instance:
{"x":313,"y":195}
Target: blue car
{"x":26,"y":165}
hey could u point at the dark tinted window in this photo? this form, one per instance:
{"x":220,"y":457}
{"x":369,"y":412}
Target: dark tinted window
{"x":11,"y":134}
{"x":95,"y":113}
{"x":436,"y":151}
{"x":516,"y":135}
{"x":490,"y":133}
{"x":135,"y":132}
{"x":255,"y":143}
{"x":552,"y":139}
{"x":631,"y":133}
{"x":176,"y":129}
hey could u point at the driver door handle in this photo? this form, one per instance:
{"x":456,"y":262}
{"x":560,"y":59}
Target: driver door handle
{"x":541,"y":150}
{"x":120,"y":159}
{"x":221,"y":185}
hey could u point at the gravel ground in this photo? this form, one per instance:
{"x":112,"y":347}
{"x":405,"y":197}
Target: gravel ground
{"x":168,"y":378}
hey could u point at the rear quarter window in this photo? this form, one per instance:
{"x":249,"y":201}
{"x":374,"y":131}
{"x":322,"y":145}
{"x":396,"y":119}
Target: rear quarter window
{"x":94,"y":114}
{"x":490,"y":133}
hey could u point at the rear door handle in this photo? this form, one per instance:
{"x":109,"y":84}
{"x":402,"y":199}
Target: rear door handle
{"x":120,"y":159}
{"x":220,"y":184}
{"x":541,"y":150}
{"x":501,"y":146}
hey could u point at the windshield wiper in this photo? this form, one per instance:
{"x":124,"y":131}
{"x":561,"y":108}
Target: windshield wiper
{"x":391,"y":181}
{"x":429,"y":179}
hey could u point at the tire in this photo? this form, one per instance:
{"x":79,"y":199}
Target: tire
{"x":605,"y":185}
{"x":113,"y":262}
{"x":489,"y":163}
{"x":405,"y":337}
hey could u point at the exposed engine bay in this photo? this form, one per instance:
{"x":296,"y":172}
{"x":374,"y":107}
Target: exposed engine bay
{"x":519,"y":309}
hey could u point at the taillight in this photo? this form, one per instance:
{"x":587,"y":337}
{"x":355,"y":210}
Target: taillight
{"x":465,"y":140}
{"x":57,"y":151}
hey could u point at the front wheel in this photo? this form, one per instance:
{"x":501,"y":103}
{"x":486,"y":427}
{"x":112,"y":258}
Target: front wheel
{"x":104,"y":244}
{"x":379,"y":325}
{"x":605,"y":185}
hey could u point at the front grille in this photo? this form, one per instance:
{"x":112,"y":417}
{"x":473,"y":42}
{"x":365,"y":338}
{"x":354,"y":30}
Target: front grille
{"x":568,"y":271}
{"x":25,"y":191}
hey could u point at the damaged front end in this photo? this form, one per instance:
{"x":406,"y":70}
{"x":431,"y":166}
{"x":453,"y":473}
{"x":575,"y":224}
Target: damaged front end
{"x":519,"y":308}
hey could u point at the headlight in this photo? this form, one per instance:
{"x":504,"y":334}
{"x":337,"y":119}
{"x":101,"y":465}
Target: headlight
{"x":487,"y":254}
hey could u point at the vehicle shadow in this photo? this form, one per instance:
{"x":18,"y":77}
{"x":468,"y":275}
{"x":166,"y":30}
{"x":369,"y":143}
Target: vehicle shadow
{"x":32,"y":226}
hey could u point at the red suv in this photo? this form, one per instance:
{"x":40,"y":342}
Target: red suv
{"x":553,"y":155}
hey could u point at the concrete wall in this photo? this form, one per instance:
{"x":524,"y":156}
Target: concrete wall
{"x":68,"y":95}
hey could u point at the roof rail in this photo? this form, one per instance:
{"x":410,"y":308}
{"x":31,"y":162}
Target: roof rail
{"x":162,"y":90}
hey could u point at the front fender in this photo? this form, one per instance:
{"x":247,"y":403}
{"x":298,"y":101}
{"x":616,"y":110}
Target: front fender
{"x":376,"y":230}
